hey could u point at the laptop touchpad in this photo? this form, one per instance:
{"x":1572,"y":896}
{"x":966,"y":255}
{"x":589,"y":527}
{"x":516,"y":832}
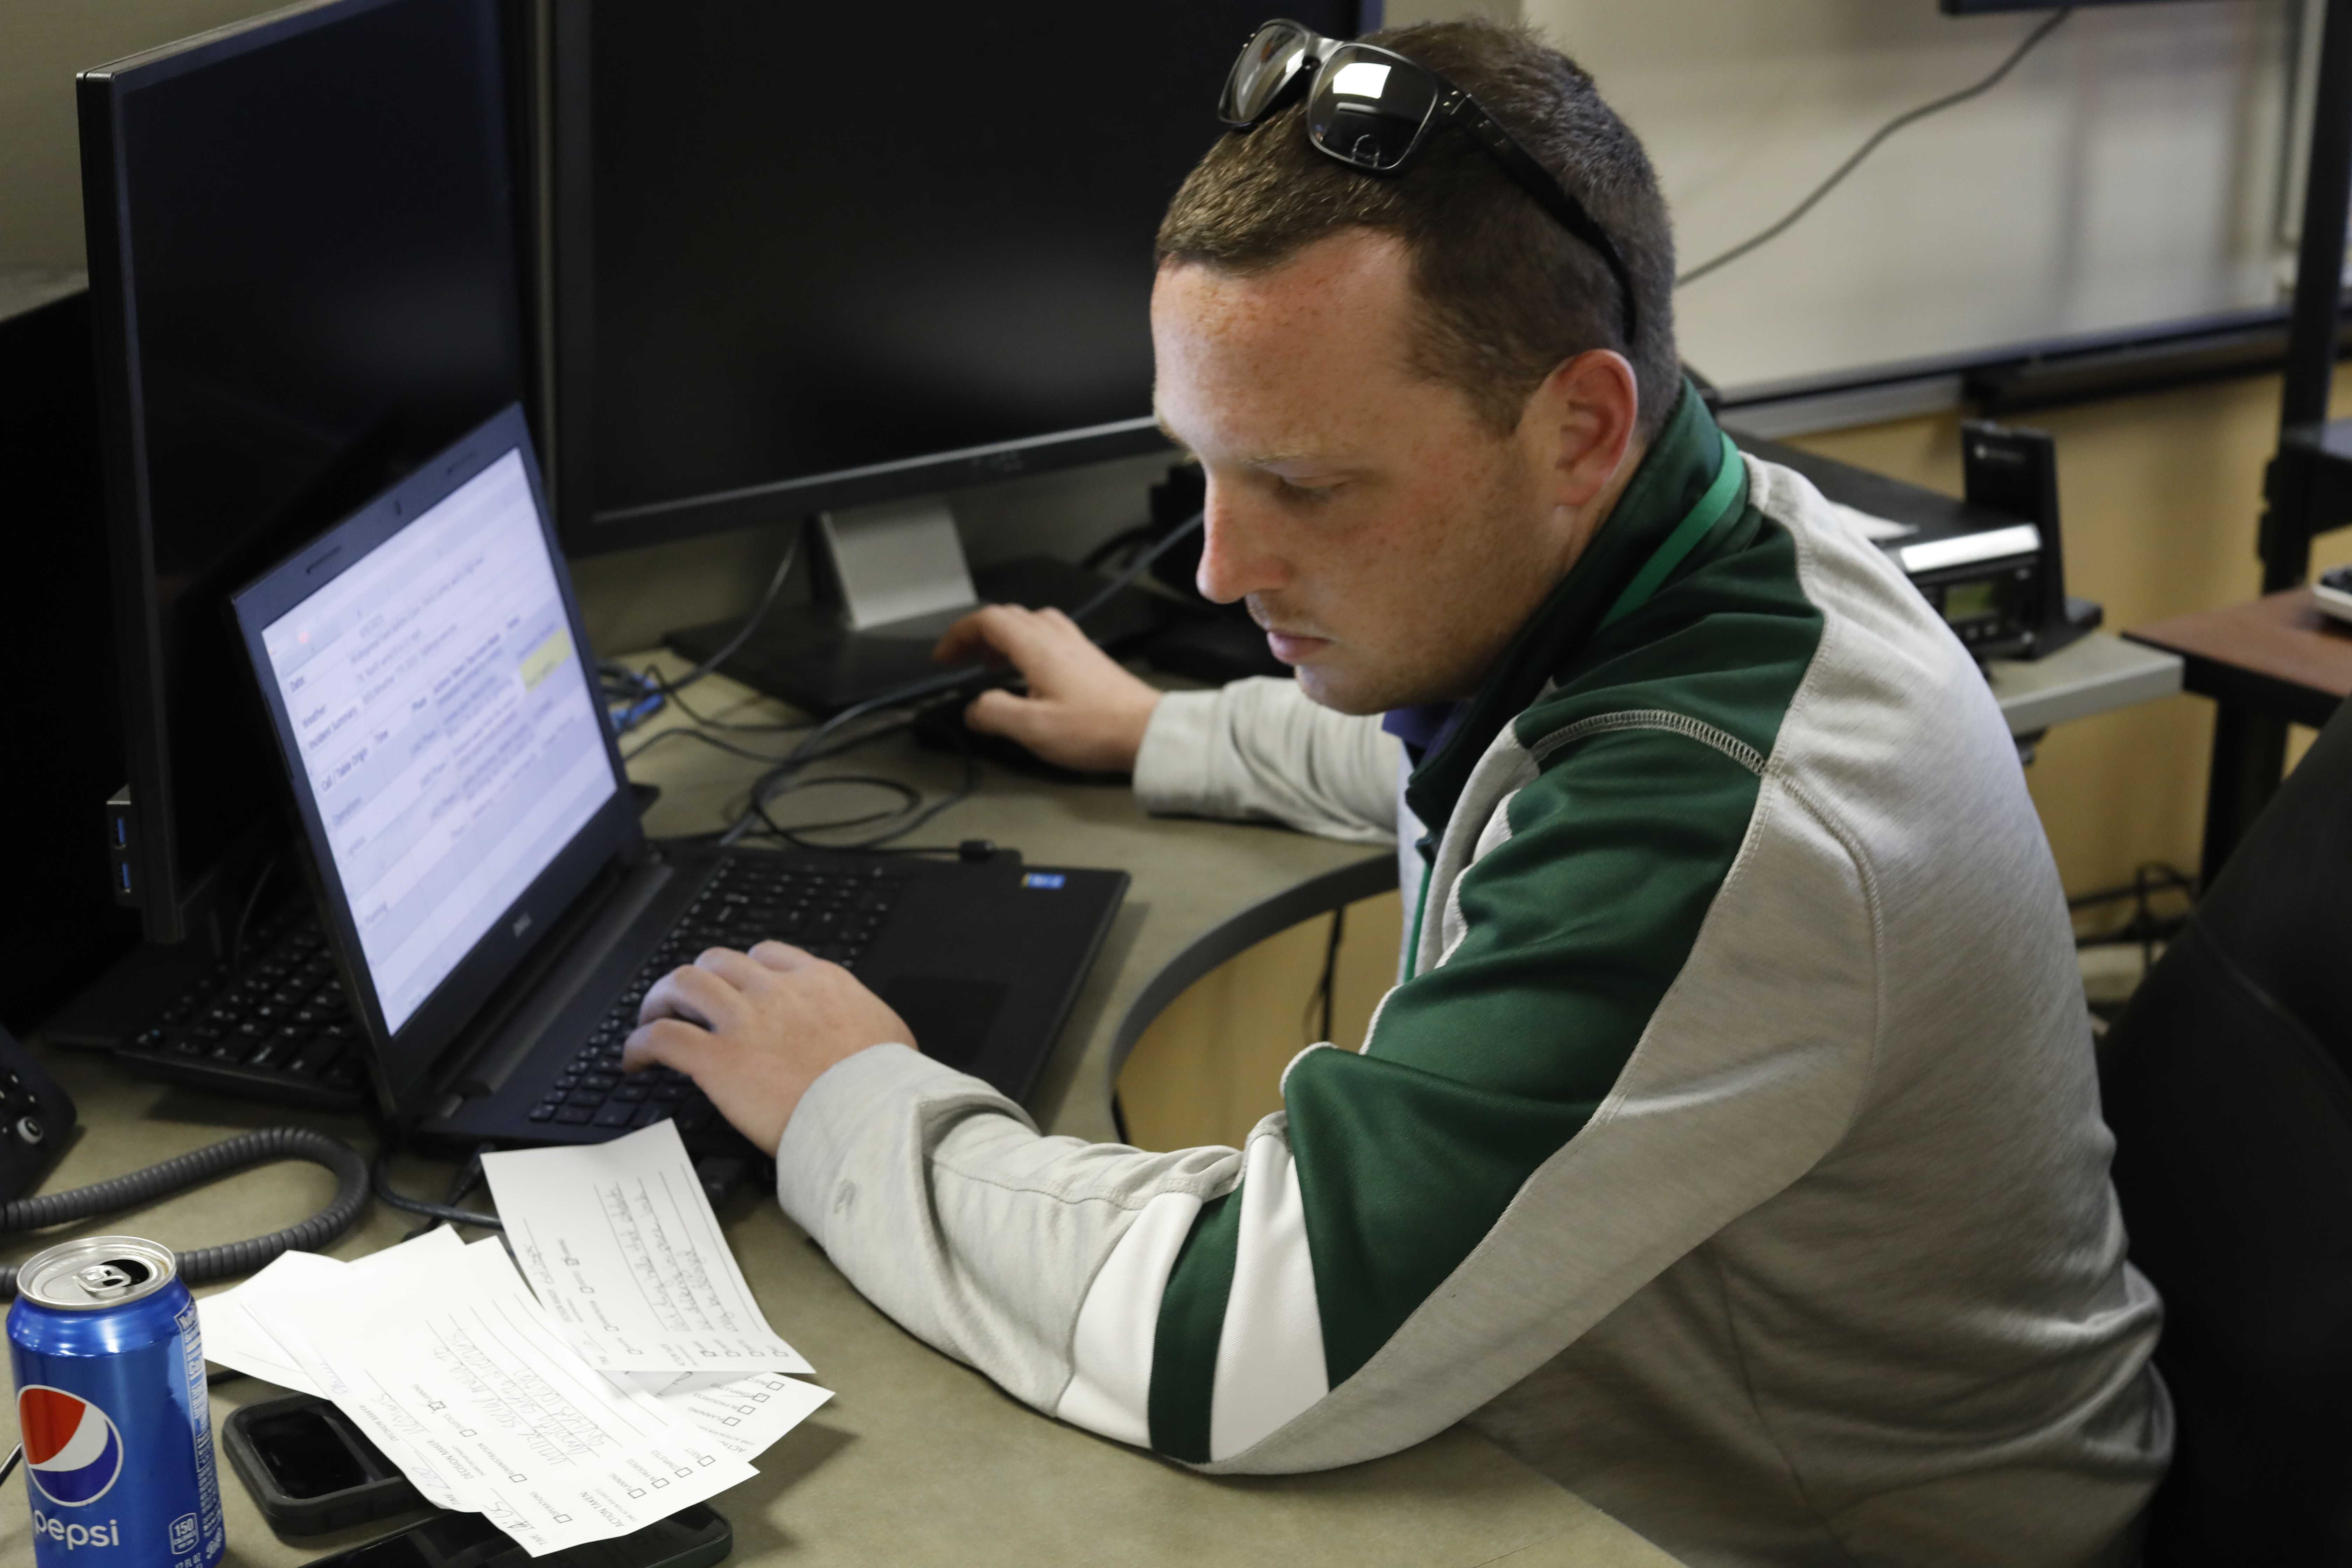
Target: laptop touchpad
{"x":950,"y":1018}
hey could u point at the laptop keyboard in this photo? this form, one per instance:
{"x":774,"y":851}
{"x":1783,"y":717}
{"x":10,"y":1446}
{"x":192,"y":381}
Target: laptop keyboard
{"x":280,"y":1030}
{"x":833,"y":911}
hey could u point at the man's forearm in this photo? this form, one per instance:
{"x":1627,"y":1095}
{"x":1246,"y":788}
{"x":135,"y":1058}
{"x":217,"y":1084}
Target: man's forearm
{"x":938,"y":1200}
{"x":1263,"y":749}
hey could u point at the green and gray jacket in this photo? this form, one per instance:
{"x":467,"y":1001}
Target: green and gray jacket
{"x":1729,"y":1150}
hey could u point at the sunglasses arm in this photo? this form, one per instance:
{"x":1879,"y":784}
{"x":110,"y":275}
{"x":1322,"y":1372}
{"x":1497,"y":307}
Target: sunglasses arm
{"x":1457,"y":108}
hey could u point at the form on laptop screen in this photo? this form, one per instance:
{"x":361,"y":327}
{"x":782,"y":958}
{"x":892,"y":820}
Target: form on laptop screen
{"x":444,"y":728}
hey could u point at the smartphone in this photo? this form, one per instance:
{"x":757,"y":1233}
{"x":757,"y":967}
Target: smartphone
{"x":691,"y":1538}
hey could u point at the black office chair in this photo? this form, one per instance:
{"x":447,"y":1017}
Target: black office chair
{"x":2229,"y":1084}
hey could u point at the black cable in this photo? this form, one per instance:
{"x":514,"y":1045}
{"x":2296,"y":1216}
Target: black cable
{"x":2153,"y":877}
{"x":750,"y":623}
{"x":1326,"y":990}
{"x":263,"y":1146}
{"x":946,"y":680}
{"x":395,"y":1198}
{"x":1140,"y":564}
{"x":913,"y":814}
{"x":638,"y":697}
{"x":961,"y":792}
{"x":662,"y":687}
{"x":910,"y":797}
{"x":1909,"y":117}
{"x":650,"y":742}
{"x":245,"y":915}
{"x":468,"y":1175}
{"x":1125,"y":539}
{"x":2144,"y":928}
{"x":461,"y":1186}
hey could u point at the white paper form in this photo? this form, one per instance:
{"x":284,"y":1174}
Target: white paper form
{"x":744,"y":1415}
{"x":235,"y":1338}
{"x":619,"y":1243}
{"x":459,"y":1372}
{"x":292,"y":1290}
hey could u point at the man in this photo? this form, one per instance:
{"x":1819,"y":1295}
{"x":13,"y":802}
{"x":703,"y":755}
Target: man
{"x":1730,"y":1149}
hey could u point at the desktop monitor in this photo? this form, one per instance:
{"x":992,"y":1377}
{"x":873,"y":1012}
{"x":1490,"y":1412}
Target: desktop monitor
{"x":305,"y":275}
{"x":816,"y":258}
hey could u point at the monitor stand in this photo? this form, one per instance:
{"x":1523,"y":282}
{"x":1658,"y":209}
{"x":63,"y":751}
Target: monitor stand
{"x":898,"y":579}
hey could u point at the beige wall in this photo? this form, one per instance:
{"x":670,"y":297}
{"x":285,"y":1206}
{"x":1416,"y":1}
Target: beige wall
{"x":2128,"y":172}
{"x":42,"y":44}
{"x":2160,"y":497}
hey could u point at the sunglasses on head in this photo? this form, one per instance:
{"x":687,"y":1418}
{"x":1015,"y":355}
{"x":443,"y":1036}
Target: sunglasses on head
{"x":1372,"y":109}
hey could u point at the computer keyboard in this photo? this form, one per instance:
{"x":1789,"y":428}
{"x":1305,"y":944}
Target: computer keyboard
{"x":280,"y":1029}
{"x":832,"y":913}
{"x":277,"y":1028}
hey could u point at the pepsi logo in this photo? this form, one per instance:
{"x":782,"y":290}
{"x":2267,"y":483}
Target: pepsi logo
{"x":72,"y":1450}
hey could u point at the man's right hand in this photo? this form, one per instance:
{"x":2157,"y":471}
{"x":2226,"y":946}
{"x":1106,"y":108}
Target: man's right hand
{"x":1083,"y":712}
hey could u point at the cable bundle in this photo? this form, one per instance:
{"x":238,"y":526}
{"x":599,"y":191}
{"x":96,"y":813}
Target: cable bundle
{"x":263,"y":1146}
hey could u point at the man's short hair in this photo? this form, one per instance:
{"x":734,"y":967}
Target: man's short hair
{"x":1510,"y":293}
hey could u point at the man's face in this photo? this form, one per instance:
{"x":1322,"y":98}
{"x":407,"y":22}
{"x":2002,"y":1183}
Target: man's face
{"x":1386,"y":539}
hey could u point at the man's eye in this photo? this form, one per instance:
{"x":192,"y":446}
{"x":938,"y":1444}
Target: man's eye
{"x":1288,"y":490}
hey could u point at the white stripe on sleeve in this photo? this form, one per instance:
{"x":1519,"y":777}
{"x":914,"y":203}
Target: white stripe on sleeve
{"x":1270,"y":1355}
{"x":1109,"y":1389}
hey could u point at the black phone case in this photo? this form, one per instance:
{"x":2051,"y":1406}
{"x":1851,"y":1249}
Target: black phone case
{"x":295,"y":1505}
{"x":697,"y":1536}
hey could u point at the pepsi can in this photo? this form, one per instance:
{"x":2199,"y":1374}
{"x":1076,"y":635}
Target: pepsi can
{"x":111,"y":1402}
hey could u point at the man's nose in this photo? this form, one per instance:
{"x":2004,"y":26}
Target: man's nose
{"x":1235,"y":560}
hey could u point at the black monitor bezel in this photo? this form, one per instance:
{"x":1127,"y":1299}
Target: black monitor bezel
{"x":173,"y":899}
{"x":405,"y":1059}
{"x":570,"y":318}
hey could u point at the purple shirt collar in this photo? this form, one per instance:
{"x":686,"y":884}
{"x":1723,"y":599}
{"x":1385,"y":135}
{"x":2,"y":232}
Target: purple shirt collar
{"x":1425,"y":726}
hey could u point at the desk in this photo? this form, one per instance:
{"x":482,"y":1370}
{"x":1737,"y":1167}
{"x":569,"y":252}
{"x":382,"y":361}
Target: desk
{"x":2267,"y":663}
{"x":2093,"y":674}
{"x":919,"y":1460}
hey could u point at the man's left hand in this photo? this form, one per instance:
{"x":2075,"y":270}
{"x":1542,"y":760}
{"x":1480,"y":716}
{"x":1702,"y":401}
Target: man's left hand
{"x":755,"y":1030}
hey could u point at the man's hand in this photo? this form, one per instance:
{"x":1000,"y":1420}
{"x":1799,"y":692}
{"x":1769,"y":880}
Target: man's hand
{"x":755,"y":1030}
{"x":1083,"y":712}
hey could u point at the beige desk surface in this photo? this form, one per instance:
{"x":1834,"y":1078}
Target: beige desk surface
{"x":2095,"y":674}
{"x":917,"y":1460}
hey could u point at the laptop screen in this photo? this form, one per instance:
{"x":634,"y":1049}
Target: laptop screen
{"x":446,"y":731}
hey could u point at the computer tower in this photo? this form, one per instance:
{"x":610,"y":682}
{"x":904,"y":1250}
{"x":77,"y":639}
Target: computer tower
{"x":58,"y":925}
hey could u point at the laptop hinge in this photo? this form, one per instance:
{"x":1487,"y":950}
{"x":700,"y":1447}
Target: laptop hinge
{"x":511,"y":1024}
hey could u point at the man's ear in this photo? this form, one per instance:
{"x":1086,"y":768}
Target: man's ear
{"x":1582,"y":420}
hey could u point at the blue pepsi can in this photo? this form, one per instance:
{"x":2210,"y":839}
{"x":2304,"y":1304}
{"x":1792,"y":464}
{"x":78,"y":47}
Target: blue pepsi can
{"x":111,"y":1401}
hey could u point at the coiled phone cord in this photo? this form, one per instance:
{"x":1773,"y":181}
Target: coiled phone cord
{"x":263,"y":1146}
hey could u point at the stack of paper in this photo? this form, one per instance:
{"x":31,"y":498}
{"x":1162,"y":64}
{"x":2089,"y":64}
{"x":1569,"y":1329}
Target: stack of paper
{"x":582,"y":1413}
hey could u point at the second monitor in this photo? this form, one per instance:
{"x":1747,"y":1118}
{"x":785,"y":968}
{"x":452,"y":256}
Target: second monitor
{"x":848,"y":258}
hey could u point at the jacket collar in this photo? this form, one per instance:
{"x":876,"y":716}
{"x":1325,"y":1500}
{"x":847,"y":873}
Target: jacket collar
{"x":1674,"y":475}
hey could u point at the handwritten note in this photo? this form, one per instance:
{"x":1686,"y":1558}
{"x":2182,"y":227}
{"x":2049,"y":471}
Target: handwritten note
{"x":459,"y":1377}
{"x":618,"y":1242}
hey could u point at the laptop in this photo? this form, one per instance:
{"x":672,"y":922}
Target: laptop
{"x":496,"y":911}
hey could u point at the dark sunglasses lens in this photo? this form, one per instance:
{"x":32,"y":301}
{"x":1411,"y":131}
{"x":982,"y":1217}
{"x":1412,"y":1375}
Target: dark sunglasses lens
{"x":1270,"y":59}
{"x":1369,"y":111}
